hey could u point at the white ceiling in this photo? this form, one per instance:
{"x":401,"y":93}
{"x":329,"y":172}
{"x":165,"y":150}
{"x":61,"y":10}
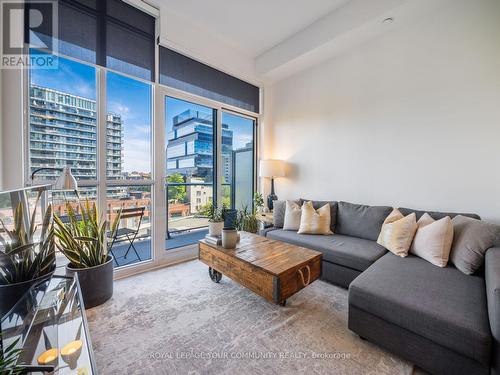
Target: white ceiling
{"x":252,"y":26}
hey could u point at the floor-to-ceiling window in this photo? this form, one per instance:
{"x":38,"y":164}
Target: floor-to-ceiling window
{"x":129,"y":166}
{"x":161,"y":165}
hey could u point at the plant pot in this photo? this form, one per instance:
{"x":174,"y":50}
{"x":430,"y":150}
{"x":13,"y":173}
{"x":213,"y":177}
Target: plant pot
{"x":229,"y":238}
{"x":11,"y":293}
{"x":96,"y":283}
{"x":215,"y":228}
{"x":230,"y":216}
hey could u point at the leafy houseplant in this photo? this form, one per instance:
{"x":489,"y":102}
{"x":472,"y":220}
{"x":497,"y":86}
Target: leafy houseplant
{"x":25,"y":257}
{"x":215,"y":219}
{"x":247,"y":220}
{"x":83,"y":241}
{"x":258,"y":201}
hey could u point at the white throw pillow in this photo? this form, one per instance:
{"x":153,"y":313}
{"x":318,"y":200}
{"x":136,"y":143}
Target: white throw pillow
{"x":315,"y":221}
{"x":397,"y":232}
{"x":293,"y":212}
{"x":433,"y":240}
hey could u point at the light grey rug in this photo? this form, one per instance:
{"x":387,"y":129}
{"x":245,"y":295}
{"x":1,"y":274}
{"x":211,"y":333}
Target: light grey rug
{"x":177,"y":321}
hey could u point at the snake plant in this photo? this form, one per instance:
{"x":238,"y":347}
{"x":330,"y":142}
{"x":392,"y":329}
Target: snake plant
{"x":9,"y":358}
{"x":83,"y":238}
{"x":22,"y":258}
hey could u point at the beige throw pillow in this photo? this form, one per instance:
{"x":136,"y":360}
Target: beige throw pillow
{"x":397,"y":232}
{"x":293,"y":212}
{"x":315,"y":221}
{"x":433,"y":240}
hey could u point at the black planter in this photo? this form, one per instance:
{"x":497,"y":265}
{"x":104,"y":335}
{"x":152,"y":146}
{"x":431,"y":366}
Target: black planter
{"x":11,"y":293}
{"x":96,"y":282}
{"x":230,"y":216}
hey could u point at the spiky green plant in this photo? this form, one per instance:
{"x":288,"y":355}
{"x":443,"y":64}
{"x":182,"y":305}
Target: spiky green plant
{"x":9,"y":358}
{"x":21,"y":257}
{"x":247,"y":220}
{"x":83,"y":239}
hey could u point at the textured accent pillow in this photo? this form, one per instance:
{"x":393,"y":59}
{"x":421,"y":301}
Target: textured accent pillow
{"x":433,"y":239}
{"x":315,"y":221}
{"x":471,"y":239}
{"x":333,"y":209}
{"x":293,"y":212}
{"x":397,"y":232}
{"x":279,"y":213}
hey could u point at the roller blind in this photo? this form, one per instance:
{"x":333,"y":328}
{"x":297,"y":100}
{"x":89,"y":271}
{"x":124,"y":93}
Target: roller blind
{"x":183,"y":73}
{"x":109,"y":33}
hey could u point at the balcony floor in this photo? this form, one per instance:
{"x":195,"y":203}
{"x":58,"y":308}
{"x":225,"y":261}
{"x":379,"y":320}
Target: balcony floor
{"x":144,"y":246}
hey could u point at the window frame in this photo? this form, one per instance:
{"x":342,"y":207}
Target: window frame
{"x":160,"y":257}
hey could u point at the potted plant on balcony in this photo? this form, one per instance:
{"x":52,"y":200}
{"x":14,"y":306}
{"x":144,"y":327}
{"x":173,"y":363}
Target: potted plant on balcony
{"x":215,"y":219}
{"x":27,"y":253}
{"x":83,"y":241}
{"x":247,"y":220}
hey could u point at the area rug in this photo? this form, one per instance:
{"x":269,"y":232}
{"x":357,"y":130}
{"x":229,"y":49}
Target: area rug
{"x":177,"y":321}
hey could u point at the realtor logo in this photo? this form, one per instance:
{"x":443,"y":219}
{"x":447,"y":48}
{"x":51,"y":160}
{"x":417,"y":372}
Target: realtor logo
{"x":29,"y":34}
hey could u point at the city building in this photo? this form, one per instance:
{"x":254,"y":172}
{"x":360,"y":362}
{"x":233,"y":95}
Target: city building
{"x":190,"y":150}
{"x":63,"y":132}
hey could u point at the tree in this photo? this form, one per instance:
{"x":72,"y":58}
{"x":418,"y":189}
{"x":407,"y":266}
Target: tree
{"x":177,"y":193}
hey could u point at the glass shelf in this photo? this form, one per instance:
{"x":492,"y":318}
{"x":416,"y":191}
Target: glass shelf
{"x":50,"y":327}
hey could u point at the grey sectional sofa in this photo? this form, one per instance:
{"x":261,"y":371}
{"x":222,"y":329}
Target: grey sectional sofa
{"x":442,"y":320}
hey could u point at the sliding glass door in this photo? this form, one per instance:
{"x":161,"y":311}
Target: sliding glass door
{"x":190,"y":169}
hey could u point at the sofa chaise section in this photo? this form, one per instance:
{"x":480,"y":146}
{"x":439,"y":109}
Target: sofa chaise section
{"x":435,"y":317}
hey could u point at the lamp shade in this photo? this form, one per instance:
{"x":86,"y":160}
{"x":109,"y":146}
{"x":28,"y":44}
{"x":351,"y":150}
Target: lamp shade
{"x":65,"y":181}
{"x":272,"y":168}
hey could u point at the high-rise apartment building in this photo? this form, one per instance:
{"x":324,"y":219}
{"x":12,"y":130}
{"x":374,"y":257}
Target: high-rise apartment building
{"x":63,"y":132}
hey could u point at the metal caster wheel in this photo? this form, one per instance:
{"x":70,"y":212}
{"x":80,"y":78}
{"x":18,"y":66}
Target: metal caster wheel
{"x":215,"y":275}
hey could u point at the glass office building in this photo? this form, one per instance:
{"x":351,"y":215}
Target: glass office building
{"x":190,"y":146}
{"x":63,"y":132}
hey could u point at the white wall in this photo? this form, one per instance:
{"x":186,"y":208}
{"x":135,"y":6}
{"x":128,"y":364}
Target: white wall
{"x":409,"y":119}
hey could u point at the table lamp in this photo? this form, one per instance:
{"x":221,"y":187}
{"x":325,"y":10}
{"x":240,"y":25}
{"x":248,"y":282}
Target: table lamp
{"x":272,"y":168}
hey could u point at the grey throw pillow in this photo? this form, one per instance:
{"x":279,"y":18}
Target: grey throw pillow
{"x":279,"y":212}
{"x":471,"y":239}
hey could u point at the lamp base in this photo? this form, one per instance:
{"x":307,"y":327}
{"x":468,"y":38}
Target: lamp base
{"x":270,"y":198}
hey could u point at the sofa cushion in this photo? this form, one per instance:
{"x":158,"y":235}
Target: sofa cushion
{"x":360,"y":220}
{"x":434,"y":214}
{"x":440,"y":304}
{"x":471,"y":239}
{"x":319,"y":204}
{"x":352,"y":252}
{"x":492,"y":276}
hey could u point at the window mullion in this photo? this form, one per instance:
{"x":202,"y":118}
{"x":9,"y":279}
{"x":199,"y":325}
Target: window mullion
{"x":101,"y":139}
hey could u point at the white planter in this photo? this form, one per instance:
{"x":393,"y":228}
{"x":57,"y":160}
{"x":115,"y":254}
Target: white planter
{"x":215,"y":228}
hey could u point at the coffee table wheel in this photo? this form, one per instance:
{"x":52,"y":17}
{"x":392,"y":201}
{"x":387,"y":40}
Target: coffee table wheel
{"x":215,"y":275}
{"x":283,"y":303}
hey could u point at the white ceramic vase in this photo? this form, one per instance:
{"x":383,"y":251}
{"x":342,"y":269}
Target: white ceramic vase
{"x":215,"y":228}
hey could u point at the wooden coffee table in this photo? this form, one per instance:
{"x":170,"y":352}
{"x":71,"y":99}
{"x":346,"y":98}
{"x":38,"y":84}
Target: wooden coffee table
{"x":272,"y":269}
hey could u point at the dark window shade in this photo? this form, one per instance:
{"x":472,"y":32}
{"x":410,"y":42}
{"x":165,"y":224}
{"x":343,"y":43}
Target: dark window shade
{"x":41,"y":36}
{"x":131,"y":16}
{"x":77,"y":33}
{"x":183,"y":73}
{"x":129,"y":52}
{"x":105,"y":32}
